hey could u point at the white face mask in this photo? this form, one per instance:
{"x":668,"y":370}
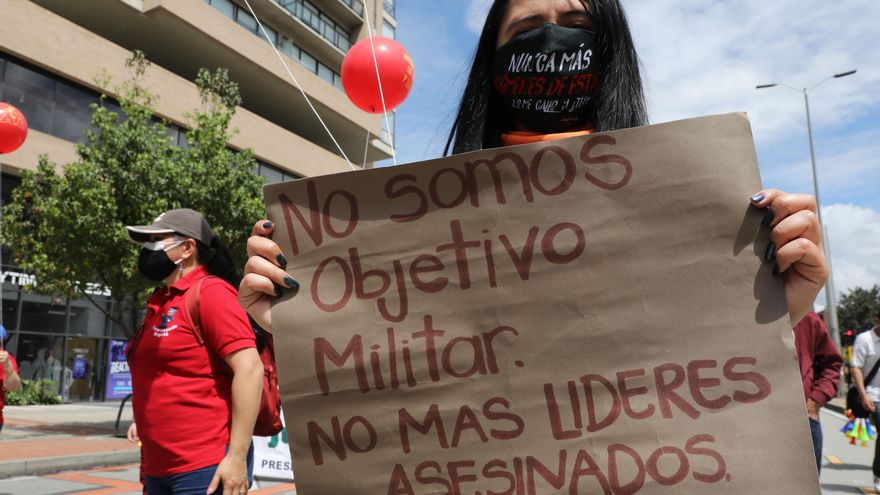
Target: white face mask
{"x":164,"y":244}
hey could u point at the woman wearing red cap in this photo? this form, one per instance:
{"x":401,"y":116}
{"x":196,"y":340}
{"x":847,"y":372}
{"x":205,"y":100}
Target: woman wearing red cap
{"x":195,"y":392}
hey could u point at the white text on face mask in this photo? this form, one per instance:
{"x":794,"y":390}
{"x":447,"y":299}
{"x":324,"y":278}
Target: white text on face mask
{"x":543,"y":62}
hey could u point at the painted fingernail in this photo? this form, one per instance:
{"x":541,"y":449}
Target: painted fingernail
{"x":268,"y":225}
{"x":281,"y":260}
{"x":770,"y":253}
{"x":768,"y":218}
{"x":757,"y":198}
{"x":290,"y":282}
{"x":775,"y":269}
{"x":279,"y":291}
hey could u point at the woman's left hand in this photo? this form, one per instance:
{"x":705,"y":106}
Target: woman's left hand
{"x":232,"y":475}
{"x":795,"y":246}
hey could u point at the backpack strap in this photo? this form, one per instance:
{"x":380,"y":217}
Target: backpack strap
{"x":873,"y":373}
{"x":192,"y":309}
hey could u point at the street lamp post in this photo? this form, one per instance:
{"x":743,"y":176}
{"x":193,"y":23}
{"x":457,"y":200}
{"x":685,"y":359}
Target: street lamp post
{"x":830,"y":305}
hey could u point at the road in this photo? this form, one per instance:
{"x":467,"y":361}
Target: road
{"x":846,"y":470}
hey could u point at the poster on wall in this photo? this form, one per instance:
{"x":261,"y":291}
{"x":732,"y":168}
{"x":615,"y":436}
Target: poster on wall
{"x":590,"y":315}
{"x":118,"y":376}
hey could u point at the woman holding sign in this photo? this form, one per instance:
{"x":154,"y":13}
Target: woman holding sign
{"x":589,"y":82}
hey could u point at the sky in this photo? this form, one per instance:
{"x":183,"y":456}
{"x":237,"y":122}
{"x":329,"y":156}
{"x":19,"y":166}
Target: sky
{"x":703,"y":57}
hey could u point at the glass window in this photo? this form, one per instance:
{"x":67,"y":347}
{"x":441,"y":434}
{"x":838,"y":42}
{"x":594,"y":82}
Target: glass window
{"x":309,"y":12}
{"x":42,"y":314}
{"x":10,"y":306}
{"x":39,"y":357}
{"x":86,"y":319}
{"x":289,"y":48}
{"x":2,"y":69}
{"x":273,"y":35}
{"x":226,"y":7}
{"x":388,"y":5}
{"x":388,"y":30}
{"x":182,"y":139}
{"x":72,"y":114}
{"x":325,"y":73}
{"x":244,"y":18}
{"x":309,"y":61}
{"x":271,"y":174}
{"x":32,"y":93}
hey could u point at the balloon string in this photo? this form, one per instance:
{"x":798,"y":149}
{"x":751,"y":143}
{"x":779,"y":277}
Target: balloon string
{"x":295,"y":81}
{"x":379,"y":80}
{"x":366,"y":147}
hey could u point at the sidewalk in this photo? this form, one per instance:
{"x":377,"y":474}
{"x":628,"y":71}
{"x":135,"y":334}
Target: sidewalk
{"x":44,"y":439}
{"x":837,"y":404}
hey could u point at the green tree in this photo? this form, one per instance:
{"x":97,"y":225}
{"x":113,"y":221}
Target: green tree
{"x":68,"y":228}
{"x":858,"y":309}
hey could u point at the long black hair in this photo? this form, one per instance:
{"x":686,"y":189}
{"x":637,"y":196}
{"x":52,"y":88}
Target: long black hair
{"x":218,"y":261}
{"x":482,"y":118}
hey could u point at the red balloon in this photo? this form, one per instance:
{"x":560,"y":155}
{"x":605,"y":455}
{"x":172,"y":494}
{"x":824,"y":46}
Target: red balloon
{"x":359,"y":74}
{"x":13,"y":128}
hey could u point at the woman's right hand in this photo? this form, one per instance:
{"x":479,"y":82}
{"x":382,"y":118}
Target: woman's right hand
{"x":264,"y":275}
{"x":133,"y":433}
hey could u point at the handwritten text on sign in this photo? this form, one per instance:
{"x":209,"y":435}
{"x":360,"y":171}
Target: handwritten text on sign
{"x":430,"y":358}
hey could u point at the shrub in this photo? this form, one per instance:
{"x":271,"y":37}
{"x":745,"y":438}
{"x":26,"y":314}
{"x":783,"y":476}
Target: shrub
{"x":34,"y":392}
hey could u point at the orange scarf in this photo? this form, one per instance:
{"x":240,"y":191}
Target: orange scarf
{"x":524,"y":137}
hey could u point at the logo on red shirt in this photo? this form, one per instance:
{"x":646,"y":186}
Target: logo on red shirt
{"x":163,"y":330}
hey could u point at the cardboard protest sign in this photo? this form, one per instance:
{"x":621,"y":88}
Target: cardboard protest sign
{"x":582,"y":316}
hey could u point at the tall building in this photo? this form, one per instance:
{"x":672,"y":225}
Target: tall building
{"x":50,"y":54}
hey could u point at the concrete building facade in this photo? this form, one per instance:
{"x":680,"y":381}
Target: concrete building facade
{"x":51,"y":54}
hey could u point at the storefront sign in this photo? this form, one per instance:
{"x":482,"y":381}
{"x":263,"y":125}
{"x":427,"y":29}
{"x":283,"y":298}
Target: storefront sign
{"x":118,"y":375}
{"x":590,"y":315}
{"x":25,"y":279}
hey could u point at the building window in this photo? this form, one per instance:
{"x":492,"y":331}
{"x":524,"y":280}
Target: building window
{"x":325,"y":73}
{"x":320,"y":22}
{"x":311,"y":16}
{"x":32,"y":93}
{"x":355,"y":5}
{"x":224,"y":6}
{"x":72,"y":113}
{"x":388,"y":5}
{"x":388,"y":30}
{"x":246,"y":20}
{"x":49,"y":104}
{"x":272,"y":174}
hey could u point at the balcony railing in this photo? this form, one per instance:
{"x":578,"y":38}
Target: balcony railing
{"x":355,"y":5}
{"x":312,"y":17}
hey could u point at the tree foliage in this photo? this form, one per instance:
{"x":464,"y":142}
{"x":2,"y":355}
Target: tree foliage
{"x":858,"y":309}
{"x":68,"y":228}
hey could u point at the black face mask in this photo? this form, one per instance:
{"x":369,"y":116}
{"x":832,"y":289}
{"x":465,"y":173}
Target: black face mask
{"x":155,"y":265}
{"x":548,"y":78}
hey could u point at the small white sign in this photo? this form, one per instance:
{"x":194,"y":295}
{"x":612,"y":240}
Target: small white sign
{"x":272,"y":457}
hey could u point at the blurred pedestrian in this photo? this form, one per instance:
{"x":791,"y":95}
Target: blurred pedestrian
{"x":820,"y":365}
{"x":195,"y":392}
{"x":9,"y":379}
{"x":866,"y":354}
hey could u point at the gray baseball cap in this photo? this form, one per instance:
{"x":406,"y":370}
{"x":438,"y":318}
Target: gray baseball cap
{"x":183,"y":221}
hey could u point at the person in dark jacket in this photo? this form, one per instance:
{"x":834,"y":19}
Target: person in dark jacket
{"x":820,"y":364}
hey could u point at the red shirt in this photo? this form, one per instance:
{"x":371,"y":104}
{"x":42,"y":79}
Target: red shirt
{"x":818,"y":359}
{"x":3,"y":385}
{"x":181,"y":390}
